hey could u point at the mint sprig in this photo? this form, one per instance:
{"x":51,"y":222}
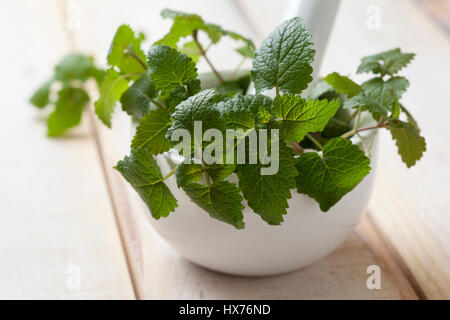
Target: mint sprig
{"x":71,"y":73}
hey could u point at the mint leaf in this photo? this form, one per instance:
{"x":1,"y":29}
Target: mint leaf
{"x":218,"y":172}
{"x":68,"y":110}
{"x":246,"y":51}
{"x":221,"y":200}
{"x":125,"y":40}
{"x":170,"y":68}
{"x":187,"y":173}
{"x":215,"y":33}
{"x":385,"y":92}
{"x":284,"y":59}
{"x":321,"y":89}
{"x":300,"y":117}
{"x":142,"y":172}
{"x":236,"y":112}
{"x":343,"y":84}
{"x":151,"y":132}
{"x":328,"y":177}
{"x":244,"y":112}
{"x":41,"y":97}
{"x":233,"y":87}
{"x":389,"y":62}
{"x":410,"y":118}
{"x":136,"y":100}
{"x":75,"y":66}
{"x":181,"y":93}
{"x":111,"y":90}
{"x":366,"y":102}
{"x":192,"y":50}
{"x":184,"y":25}
{"x":190,"y":172}
{"x":410,"y":144}
{"x":267,"y":194}
{"x":201,"y":107}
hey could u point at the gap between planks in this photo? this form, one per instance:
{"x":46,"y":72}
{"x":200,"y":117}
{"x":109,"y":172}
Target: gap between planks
{"x":123,"y":215}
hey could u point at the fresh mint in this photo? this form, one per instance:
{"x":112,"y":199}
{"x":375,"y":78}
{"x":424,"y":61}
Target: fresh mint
{"x":328,"y":177}
{"x":142,"y":172}
{"x":309,"y":137}
{"x":70,"y":76}
{"x":284,"y":60}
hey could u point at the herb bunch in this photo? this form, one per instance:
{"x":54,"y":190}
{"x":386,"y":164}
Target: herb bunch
{"x":162,"y":92}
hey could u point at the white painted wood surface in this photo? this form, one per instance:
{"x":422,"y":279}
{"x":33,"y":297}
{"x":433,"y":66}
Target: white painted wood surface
{"x":59,"y":215}
{"x":56,"y":222}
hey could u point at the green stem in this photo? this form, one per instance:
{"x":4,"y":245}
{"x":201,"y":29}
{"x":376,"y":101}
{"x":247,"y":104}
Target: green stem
{"x":203,"y":53}
{"x":297,"y":148}
{"x":353,"y":132}
{"x":317,"y":143}
{"x":167,"y":176}
{"x":135,"y":56}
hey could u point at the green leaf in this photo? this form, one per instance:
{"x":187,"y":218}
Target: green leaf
{"x":151,"y":132}
{"x":365,"y":102}
{"x":300,"y":117}
{"x":410,"y":144}
{"x":68,"y":110}
{"x":111,"y":90}
{"x":125,"y":40}
{"x":192,"y":50}
{"x":221,"y":200}
{"x":385,"y":92}
{"x":267,"y":194}
{"x":322,"y":90}
{"x":136,"y":100}
{"x":41,"y":97}
{"x":215,"y":32}
{"x":329,"y":177}
{"x":201,"y":107}
{"x":245,"y":112}
{"x":74,"y":67}
{"x":190,"y":172}
{"x":233,"y":87}
{"x":218,"y":172}
{"x":389,"y":62}
{"x":142,"y":172}
{"x":170,"y":68}
{"x":343,"y":84}
{"x":187,"y":173}
{"x":236,"y":112}
{"x":184,"y":24}
{"x":246,"y":51}
{"x":410,"y":118}
{"x":179,"y":94}
{"x":284,"y":59}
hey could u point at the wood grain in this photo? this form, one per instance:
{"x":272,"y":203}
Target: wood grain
{"x":56,"y":221}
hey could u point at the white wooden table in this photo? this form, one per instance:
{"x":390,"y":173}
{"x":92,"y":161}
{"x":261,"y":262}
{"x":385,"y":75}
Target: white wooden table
{"x":70,"y":228}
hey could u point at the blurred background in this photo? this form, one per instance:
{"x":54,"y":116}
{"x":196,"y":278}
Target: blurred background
{"x":69,"y":229}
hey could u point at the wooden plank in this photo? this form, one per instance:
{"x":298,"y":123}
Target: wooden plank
{"x":58,"y":234}
{"x":165,"y":275}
